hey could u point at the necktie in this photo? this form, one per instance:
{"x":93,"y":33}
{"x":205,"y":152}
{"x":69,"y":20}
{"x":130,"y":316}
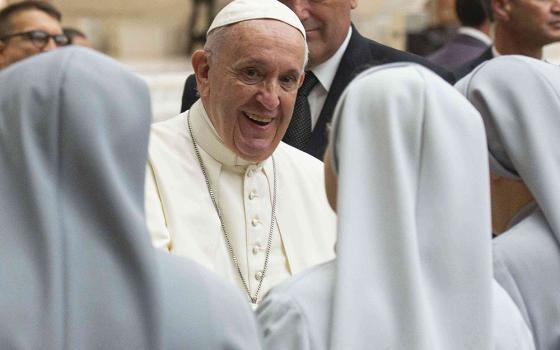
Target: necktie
{"x":299,"y":130}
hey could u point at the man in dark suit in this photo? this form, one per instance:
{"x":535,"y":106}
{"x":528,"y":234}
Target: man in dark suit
{"x":336,"y":53}
{"x":471,"y":40}
{"x":522,"y":27}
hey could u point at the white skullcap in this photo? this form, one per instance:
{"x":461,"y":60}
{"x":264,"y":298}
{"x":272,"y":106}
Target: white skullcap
{"x":244,"y":10}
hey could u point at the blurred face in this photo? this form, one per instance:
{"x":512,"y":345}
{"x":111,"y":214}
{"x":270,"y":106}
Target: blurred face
{"x":19,"y":47}
{"x":535,"y":21}
{"x":326,"y":23}
{"x":81,"y":41}
{"x":249,"y":83}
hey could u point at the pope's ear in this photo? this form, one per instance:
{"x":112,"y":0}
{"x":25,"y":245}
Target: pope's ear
{"x":200,"y":63}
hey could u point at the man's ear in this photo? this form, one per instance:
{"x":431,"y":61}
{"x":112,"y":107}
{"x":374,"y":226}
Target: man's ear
{"x":200,"y":63}
{"x":501,"y":9}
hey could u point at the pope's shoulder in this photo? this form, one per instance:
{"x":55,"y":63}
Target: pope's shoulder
{"x":292,"y":156}
{"x":174,"y":126}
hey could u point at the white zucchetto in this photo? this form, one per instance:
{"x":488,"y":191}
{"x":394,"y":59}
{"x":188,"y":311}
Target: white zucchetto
{"x":245,"y":10}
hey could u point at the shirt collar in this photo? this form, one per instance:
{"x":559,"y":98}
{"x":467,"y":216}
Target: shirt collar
{"x":208,"y":139}
{"x":326,"y":71}
{"x":477,"y":34}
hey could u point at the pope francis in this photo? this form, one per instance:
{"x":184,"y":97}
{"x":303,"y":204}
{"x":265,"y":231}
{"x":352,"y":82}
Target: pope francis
{"x":221,"y":188}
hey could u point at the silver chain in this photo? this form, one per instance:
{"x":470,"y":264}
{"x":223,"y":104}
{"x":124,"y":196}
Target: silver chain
{"x":253,"y":299}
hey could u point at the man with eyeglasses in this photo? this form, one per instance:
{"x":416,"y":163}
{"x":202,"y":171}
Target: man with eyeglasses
{"x":28,"y":28}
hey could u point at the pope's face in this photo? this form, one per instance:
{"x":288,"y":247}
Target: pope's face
{"x":249,"y":87}
{"x":536,"y":21}
{"x":19,"y":47}
{"x":326,"y":24}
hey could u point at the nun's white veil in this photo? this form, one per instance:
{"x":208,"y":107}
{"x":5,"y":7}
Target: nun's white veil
{"x":413,"y":253}
{"x":77,"y":270}
{"x":519,"y":100}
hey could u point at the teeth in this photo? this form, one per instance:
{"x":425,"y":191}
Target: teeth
{"x":259,"y":118}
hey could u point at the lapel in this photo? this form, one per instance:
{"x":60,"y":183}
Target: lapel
{"x":357,"y":54}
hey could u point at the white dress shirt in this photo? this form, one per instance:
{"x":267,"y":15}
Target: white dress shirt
{"x":477,"y":34}
{"x":182,"y":219}
{"x":325,"y":73}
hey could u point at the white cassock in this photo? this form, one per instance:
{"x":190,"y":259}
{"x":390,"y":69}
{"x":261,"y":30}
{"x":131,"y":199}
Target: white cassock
{"x":182,"y":219}
{"x":414,"y":267}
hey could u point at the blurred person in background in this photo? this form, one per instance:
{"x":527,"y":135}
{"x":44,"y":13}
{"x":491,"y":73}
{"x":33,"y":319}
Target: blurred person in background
{"x":471,"y":40}
{"x":77,"y":37}
{"x":521,"y":27}
{"x":28,"y":28}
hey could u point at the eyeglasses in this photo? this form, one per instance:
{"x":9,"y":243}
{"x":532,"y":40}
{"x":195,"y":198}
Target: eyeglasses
{"x":40,"y":38}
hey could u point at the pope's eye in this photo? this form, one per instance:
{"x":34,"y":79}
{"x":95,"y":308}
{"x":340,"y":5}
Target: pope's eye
{"x":250,"y":75}
{"x":251,"y":72}
{"x":289,"y":82}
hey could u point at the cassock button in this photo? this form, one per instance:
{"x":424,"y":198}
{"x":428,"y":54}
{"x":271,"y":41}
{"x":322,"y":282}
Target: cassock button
{"x":255,"y":222}
{"x":252,"y":195}
{"x":258,"y":275}
{"x":256,"y":249}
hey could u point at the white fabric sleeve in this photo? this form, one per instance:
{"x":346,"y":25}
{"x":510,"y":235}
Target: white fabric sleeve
{"x":282,"y":324}
{"x":155,"y":216}
{"x":510,"y":330}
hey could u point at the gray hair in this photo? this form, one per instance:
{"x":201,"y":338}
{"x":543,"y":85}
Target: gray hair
{"x":217,"y":37}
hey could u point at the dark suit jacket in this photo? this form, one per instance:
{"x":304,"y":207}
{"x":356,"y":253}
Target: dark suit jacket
{"x":471,"y":65}
{"x":458,"y":51}
{"x":360,"y":54}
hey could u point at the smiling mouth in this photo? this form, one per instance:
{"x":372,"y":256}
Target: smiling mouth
{"x":258,"y":119}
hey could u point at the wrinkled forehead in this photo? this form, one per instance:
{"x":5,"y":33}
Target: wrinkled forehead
{"x":29,"y":19}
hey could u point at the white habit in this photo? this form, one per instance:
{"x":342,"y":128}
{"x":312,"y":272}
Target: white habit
{"x":519,"y":100}
{"x":77,"y":269}
{"x":182,"y":219}
{"x":413,"y":268}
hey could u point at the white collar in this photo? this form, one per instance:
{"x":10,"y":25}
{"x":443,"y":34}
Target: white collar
{"x":326,"y":71}
{"x":475,"y":33}
{"x":208,"y":139}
